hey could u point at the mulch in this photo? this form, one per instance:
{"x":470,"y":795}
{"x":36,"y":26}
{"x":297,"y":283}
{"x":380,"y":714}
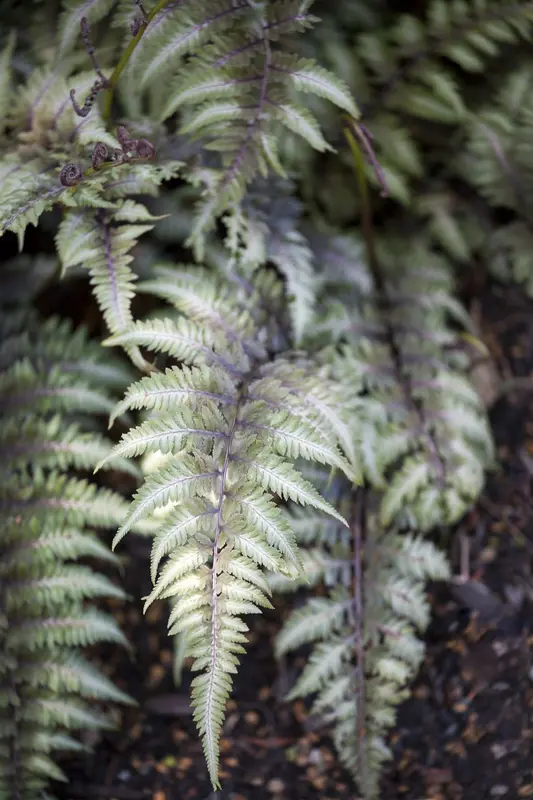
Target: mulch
{"x":466,"y":732}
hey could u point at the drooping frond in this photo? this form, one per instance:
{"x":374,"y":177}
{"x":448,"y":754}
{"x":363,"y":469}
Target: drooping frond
{"x":48,"y":690}
{"x":102,"y":243}
{"x":423,"y":441}
{"x":424,"y":437}
{"x":230,"y":421}
{"x":236,"y":86}
{"x":364,"y":633}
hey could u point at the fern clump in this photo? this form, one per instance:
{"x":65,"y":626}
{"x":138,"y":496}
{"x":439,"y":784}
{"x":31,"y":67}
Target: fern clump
{"x":231,"y":419}
{"x":134,"y":134}
{"x":423,"y":444}
{"x":48,"y":688}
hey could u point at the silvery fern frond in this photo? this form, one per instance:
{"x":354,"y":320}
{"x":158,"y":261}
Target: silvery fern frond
{"x":102,"y":243}
{"x":423,"y":434}
{"x":49,"y":389}
{"x":235,"y":87}
{"x":229,"y":423}
{"x":365,"y":633}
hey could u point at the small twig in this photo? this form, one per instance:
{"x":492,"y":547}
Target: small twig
{"x":464,"y":556}
{"x":101,"y":83}
{"x":365,"y":136}
{"x":85,"y":35}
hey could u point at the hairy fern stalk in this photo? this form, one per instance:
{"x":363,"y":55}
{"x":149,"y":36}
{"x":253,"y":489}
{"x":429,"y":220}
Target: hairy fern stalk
{"x":302,"y":404}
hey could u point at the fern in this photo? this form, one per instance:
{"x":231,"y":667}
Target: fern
{"x":102,"y":244}
{"x":363,"y":656}
{"x":103,"y":104}
{"x":231,"y":421}
{"x":47,"y":687}
{"x":423,"y":444}
{"x":90,"y":174}
{"x":234,"y":96}
{"x":424,"y":439}
{"x":267,"y":230}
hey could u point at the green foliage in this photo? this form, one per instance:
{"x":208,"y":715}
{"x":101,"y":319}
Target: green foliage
{"x":234,"y":96}
{"x":50,"y":386}
{"x":317,"y":346}
{"x":423,"y":437}
{"x":102,"y":243}
{"x":52,"y":163}
{"x":423,"y":444}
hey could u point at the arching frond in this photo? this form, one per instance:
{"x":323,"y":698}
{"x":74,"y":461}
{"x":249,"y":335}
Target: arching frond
{"x":46,"y":687}
{"x":230,"y":423}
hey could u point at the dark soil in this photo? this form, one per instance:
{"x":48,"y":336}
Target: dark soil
{"x":466,"y":731}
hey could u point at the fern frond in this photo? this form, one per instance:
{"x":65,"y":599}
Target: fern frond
{"x":220,"y":527}
{"x":49,"y":443}
{"x":423,"y":434}
{"x":359,"y":667}
{"x":232,"y":95}
{"x":53,"y":345}
{"x":102,"y":244}
{"x":46,"y":686}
